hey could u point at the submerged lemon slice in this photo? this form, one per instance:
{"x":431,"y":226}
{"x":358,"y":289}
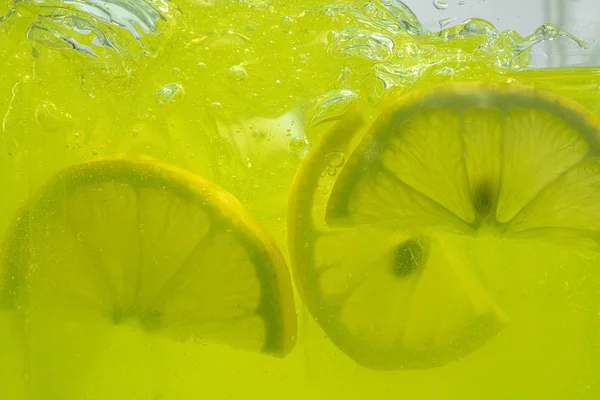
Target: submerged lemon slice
{"x":150,"y":243}
{"x":379,"y":211}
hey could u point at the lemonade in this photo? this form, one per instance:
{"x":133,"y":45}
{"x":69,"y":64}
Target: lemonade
{"x":253,"y":199}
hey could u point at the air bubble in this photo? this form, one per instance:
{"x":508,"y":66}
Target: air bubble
{"x":369,"y":10}
{"x":297,"y":144}
{"x":360,"y":43}
{"x":440,"y":5}
{"x":287,"y":21}
{"x":237,"y":73}
{"x":401,"y":15}
{"x":335,"y":159}
{"x":330,"y":105}
{"x":170,"y":93}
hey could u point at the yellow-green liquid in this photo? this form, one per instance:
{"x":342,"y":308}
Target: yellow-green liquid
{"x":238,"y":92}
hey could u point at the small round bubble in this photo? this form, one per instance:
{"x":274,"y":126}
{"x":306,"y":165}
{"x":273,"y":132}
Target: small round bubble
{"x":237,"y":73}
{"x":297,"y":144}
{"x":335,"y":159}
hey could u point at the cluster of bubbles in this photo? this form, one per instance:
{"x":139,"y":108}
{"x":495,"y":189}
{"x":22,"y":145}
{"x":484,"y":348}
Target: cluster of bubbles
{"x":296,"y":66}
{"x":367,"y":47}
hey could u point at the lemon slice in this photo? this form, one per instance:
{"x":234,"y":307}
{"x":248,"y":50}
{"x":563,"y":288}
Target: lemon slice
{"x":381,"y":214}
{"x":149,"y":243}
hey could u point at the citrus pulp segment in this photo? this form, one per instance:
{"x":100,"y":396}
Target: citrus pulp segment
{"x":376,"y":243}
{"x":143,"y":241}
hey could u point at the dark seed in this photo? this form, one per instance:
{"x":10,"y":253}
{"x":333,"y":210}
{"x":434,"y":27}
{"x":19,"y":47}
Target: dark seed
{"x":408,"y":258}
